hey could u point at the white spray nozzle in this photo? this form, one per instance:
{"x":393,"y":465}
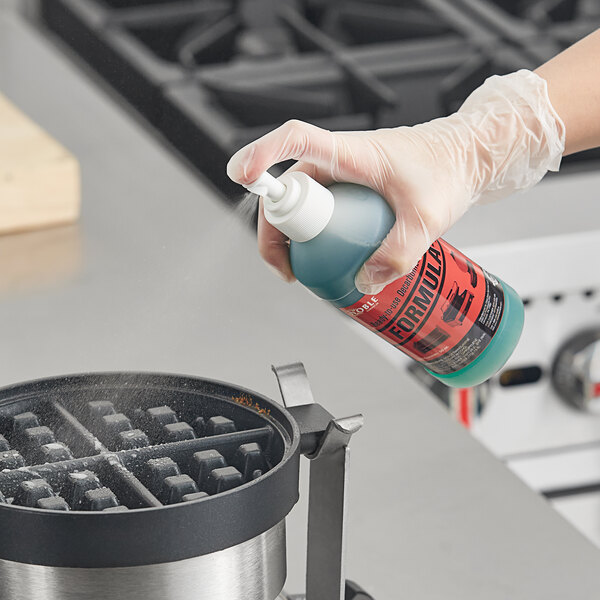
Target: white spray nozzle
{"x":295,"y":204}
{"x":268,"y":187}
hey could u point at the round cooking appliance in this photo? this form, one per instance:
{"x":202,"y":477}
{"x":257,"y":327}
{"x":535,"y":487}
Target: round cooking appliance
{"x":151,"y":486}
{"x":576,"y":370}
{"x":180,"y":485}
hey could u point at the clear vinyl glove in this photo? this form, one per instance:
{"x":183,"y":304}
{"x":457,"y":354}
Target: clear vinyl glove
{"x":504,"y":138}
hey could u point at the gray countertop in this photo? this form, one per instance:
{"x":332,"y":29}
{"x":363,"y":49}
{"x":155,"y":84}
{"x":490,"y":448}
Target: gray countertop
{"x":159,"y":276}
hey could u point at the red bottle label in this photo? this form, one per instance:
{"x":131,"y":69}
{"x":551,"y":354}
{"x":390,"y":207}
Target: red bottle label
{"x":443,"y":314}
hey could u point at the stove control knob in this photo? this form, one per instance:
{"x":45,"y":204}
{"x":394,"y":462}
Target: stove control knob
{"x":576,"y":371}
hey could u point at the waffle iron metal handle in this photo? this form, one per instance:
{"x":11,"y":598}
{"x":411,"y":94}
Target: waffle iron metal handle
{"x":325,"y":442}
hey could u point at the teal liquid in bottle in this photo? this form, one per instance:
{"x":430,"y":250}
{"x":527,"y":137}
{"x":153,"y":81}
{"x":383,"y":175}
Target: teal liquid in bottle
{"x":460,"y":322}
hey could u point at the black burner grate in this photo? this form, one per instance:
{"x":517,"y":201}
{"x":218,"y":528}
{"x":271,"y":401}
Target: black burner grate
{"x":211,"y":75}
{"x":117,"y":448}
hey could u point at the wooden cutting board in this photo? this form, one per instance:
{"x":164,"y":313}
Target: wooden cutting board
{"x":39,"y":179}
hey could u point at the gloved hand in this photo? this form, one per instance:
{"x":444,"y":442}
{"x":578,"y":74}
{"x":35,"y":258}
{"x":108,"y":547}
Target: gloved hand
{"x":504,"y":138}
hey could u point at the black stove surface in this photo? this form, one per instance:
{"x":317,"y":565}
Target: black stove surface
{"x":211,"y":75}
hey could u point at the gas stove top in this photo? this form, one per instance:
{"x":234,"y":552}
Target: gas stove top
{"x":212,"y":75}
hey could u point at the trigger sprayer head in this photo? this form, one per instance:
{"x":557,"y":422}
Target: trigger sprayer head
{"x":295,"y":204}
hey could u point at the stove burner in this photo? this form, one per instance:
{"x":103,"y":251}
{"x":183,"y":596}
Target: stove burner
{"x":211,"y":75}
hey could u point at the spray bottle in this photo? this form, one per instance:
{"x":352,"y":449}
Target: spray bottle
{"x":460,"y":322}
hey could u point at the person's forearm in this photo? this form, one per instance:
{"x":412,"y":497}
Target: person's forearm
{"x":573,"y":79}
